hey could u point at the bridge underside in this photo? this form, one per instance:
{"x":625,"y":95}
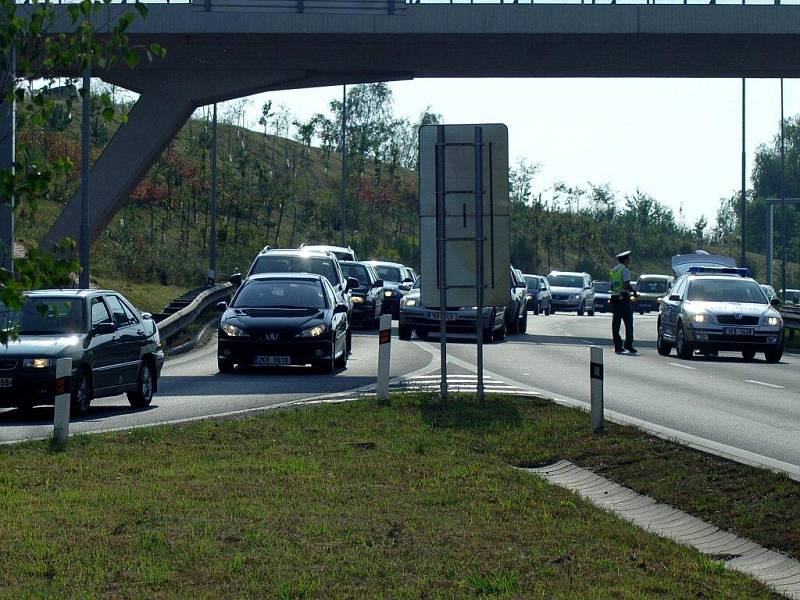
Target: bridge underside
{"x":220,"y":56}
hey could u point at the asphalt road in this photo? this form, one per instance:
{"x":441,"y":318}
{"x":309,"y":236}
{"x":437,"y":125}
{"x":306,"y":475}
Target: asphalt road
{"x":747,"y":405}
{"x":191,"y":387}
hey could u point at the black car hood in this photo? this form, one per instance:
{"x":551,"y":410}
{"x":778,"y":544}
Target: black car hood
{"x":41,"y":345}
{"x":260,"y":320}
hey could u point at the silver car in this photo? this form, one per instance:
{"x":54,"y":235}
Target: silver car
{"x":719,"y":309}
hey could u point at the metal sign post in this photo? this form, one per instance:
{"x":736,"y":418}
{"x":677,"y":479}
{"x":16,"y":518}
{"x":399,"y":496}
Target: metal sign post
{"x":62,"y":393}
{"x":479,"y":255}
{"x":464,"y":241}
{"x":384,"y":357}
{"x":441,"y":258}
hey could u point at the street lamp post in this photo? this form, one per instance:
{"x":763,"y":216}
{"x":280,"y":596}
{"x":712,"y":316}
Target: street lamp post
{"x":343,"y":190}
{"x":783,"y":203}
{"x":85,"y":242}
{"x":212,"y":244}
{"x":743,"y":217}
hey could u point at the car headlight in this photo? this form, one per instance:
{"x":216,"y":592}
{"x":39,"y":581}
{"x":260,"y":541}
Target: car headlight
{"x":408,"y":301}
{"x":38,"y":363}
{"x":577,"y":297}
{"x":358,"y":300}
{"x":700,"y":318}
{"x":388,"y":293}
{"x":774,"y":321}
{"x":233,"y":331}
{"x":315,"y":331}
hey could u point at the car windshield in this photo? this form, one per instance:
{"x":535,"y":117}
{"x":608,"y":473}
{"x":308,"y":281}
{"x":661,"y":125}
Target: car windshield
{"x":726,"y":290}
{"x":357,"y":271}
{"x":46,"y":316}
{"x":532,"y":282}
{"x":603,"y":287}
{"x":388,"y":273}
{"x":568,"y":281}
{"x":654,"y":286}
{"x":281,"y":293}
{"x":417,"y":284}
{"x":298,"y":263}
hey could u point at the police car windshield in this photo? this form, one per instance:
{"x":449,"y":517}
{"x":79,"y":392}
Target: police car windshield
{"x":726,"y":290}
{"x":319,"y":265}
{"x":568,"y":281}
{"x":281,"y":293}
{"x":652,"y":286}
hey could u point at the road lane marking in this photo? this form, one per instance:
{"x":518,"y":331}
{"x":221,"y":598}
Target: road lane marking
{"x":772,"y":385}
{"x":682,"y":366}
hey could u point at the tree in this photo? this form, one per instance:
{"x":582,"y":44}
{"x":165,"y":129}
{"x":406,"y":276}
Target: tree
{"x":30,"y":53}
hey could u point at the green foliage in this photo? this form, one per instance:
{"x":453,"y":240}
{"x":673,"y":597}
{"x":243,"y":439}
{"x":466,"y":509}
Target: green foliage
{"x":31,"y":53}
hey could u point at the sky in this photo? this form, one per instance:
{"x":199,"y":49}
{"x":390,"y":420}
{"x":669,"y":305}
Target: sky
{"x":678,"y":140}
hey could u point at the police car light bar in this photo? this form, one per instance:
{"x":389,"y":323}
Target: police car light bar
{"x":741,"y":272}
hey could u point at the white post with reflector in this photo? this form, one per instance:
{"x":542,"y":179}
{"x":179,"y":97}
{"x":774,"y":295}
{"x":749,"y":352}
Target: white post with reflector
{"x":596,"y":379}
{"x":384,"y":356}
{"x":63,"y":396}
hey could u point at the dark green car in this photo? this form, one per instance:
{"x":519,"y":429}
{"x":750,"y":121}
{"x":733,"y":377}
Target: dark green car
{"x":114,"y":349}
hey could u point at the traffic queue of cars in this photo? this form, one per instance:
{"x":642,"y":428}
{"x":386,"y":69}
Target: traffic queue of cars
{"x":299,"y":306}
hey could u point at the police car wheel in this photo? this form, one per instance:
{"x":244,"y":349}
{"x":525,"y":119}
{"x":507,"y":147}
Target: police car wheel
{"x":774,"y":355}
{"x":682,"y":345}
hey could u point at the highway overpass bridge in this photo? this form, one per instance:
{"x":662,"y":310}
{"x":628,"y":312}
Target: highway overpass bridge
{"x":224,"y":49}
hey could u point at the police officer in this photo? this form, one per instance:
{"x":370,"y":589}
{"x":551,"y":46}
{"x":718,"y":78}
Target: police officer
{"x":621,"y":304}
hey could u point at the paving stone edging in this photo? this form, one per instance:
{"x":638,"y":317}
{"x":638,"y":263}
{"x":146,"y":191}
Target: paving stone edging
{"x":774,"y":569}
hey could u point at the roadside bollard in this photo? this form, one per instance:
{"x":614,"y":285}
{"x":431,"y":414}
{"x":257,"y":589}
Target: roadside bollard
{"x":384,"y":354}
{"x":596,"y":379}
{"x":61,"y":413}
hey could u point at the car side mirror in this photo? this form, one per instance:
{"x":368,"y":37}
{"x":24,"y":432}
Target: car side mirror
{"x":407,"y":280}
{"x":104,"y":329}
{"x":404,"y":287}
{"x":352,"y":283}
{"x":339,"y":309}
{"x":147,"y":316}
{"x":378,"y":283}
{"x":674,"y":298}
{"x":236,"y":279}
{"x":776,"y":302}
{"x":222,"y":306}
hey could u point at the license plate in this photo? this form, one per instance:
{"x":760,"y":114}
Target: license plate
{"x":737,"y":331}
{"x":435,"y":316}
{"x":268,"y":361}
{"x":6,"y":382}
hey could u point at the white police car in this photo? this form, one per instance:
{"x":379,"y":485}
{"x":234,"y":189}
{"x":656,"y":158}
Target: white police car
{"x":712,"y":309}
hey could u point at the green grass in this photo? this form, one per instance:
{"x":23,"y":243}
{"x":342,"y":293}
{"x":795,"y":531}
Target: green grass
{"x":352,"y":500}
{"x":149,"y":297}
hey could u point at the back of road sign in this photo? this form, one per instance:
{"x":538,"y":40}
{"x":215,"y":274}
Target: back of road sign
{"x":456,"y":190}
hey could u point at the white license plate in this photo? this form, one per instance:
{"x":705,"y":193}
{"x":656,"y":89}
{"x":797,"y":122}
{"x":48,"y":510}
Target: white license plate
{"x":6,"y":382}
{"x":435,"y":316}
{"x":267,"y":361}
{"x":737,"y":331}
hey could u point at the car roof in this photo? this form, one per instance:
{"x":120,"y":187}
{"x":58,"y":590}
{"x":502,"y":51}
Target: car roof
{"x":655,"y":276}
{"x":383,"y":263}
{"x":578,"y":273}
{"x":82,"y":293}
{"x":265,"y":276}
{"x":313,"y":247}
{"x":720,"y":277}
{"x":295,"y":252}
{"x":352,"y":262}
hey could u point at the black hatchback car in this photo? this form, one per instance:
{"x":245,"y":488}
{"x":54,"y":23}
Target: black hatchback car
{"x":368,"y":296}
{"x":114,"y":349}
{"x":282,"y":319}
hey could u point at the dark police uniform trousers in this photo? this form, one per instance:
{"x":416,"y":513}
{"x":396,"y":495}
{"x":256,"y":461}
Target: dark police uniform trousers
{"x":622,"y":310}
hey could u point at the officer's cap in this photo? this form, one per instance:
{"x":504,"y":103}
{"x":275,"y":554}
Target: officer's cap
{"x":624,"y":255}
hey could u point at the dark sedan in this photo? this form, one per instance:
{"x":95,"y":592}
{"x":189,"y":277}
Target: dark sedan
{"x":282,"y":319}
{"x":368,"y":296}
{"x":114,"y":349}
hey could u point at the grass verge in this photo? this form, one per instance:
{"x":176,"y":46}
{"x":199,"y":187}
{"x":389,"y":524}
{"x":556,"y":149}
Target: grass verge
{"x":148,"y":297}
{"x":352,"y":500}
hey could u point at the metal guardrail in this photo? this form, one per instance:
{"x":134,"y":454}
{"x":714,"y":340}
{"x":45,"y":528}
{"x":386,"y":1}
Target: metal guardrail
{"x":178,"y":320}
{"x":791,"y":316}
